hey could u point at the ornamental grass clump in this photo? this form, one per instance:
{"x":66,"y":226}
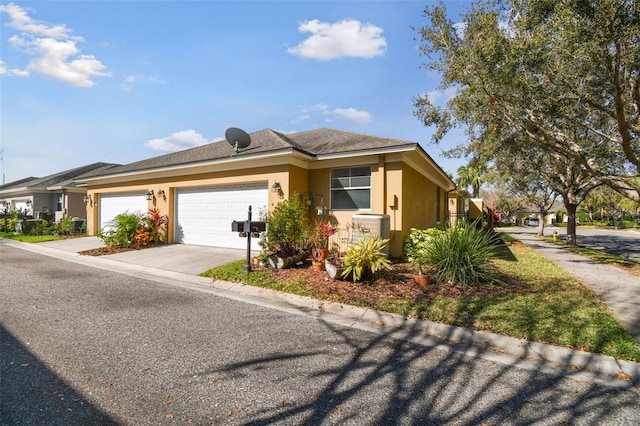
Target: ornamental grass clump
{"x":461,"y":255}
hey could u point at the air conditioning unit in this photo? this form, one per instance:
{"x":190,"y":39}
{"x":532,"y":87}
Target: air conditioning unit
{"x":375,"y":225}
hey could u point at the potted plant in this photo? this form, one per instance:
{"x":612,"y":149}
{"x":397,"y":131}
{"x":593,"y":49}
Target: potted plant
{"x":320,"y":240}
{"x":334,"y":266}
{"x":416,"y":251}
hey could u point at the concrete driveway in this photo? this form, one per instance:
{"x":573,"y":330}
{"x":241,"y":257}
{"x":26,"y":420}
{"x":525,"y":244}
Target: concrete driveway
{"x":183,"y":258}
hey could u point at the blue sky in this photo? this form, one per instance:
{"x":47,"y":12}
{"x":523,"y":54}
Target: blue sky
{"x":121,"y":81}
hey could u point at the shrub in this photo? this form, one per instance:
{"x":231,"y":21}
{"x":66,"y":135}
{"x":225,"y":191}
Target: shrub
{"x":63,"y":227}
{"x":156,"y":225}
{"x":121,"y":231}
{"x":461,"y":255}
{"x":42,"y":228}
{"x":285,"y":229}
{"x":135,"y":230}
{"x":365,"y":258}
{"x":8,"y":224}
{"x":417,"y":244}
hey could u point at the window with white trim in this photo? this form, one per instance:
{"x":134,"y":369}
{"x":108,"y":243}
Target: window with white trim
{"x":351,"y":188}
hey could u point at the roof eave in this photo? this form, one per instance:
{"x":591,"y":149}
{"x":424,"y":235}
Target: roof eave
{"x":359,"y":153}
{"x":452,"y":184}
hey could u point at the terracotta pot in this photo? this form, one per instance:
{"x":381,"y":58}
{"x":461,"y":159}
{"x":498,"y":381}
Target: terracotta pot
{"x":319,"y":254}
{"x":421,"y":280}
{"x":317,"y":266}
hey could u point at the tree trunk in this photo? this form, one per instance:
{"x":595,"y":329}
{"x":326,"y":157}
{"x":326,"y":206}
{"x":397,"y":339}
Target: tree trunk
{"x":571,"y":223}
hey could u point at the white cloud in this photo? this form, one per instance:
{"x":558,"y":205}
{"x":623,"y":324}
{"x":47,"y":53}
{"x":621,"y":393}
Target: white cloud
{"x":308,"y":112}
{"x":314,"y":112}
{"x":56,"y":51}
{"x":300,"y":119}
{"x":352,"y":114}
{"x":178,"y":141}
{"x":13,"y":71}
{"x":131,"y":80}
{"x":22,"y":22}
{"x":441,"y":97}
{"x":347,"y":38}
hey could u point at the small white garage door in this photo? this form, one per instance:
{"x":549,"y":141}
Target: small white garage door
{"x":204,"y":216}
{"x":113,"y":205}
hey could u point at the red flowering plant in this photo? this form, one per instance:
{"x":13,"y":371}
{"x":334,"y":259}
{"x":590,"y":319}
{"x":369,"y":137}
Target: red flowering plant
{"x":152,"y":230}
{"x":320,"y":239}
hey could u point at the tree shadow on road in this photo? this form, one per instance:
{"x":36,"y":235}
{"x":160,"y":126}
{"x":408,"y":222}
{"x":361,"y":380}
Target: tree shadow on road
{"x":390,"y":379}
{"x":32,"y":394}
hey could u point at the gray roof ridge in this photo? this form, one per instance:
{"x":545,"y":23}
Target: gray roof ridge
{"x":292,"y":143}
{"x":368,"y":135}
{"x":19,"y":182}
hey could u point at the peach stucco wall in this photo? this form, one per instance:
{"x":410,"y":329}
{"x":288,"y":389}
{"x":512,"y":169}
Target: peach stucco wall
{"x":424,"y":206}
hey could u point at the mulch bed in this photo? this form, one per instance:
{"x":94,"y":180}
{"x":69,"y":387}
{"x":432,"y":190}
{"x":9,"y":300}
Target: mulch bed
{"x":397,"y":283}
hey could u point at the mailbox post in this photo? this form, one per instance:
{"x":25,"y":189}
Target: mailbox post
{"x":246,"y":229}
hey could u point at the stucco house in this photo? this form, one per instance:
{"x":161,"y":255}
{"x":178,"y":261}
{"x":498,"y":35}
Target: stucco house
{"x":54,"y":197}
{"x":556,"y":212}
{"x":339,"y":175}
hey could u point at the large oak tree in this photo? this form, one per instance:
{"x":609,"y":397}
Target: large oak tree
{"x":562,"y":76}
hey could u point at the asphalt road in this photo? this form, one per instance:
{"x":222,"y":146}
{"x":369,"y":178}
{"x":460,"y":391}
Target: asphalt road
{"x":623,"y":243}
{"x":84,"y":346}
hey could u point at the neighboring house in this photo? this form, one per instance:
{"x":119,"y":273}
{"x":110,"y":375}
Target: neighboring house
{"x":556,"y":211}
{"x":339,"y":175}
{"x":55,"y":196}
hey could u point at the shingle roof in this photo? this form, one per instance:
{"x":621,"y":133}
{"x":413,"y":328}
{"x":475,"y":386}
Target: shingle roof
{"x":313,"y":143}
{"x":263,"y":141}
{"x":332,"y":141}
{"x":65,"y":179}
{"x":21,"y":183}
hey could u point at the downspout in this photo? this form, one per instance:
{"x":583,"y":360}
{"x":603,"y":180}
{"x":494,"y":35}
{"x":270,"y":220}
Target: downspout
{"x":381,"y":168}
{"x":65,"y":203}
{"x":385,"y":210}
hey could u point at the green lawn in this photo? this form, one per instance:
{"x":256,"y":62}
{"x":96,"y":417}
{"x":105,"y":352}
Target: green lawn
{"x":28,"y":238}
{"x":549,"y":307}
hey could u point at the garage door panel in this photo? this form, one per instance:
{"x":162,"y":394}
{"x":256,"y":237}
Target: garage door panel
{"x":115,"y":204}
{"x":204,"y":216}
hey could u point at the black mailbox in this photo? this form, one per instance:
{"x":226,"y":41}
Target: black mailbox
{"x":237,"y":226}
{"x":246,"y":226}
{"x":257,"y":226}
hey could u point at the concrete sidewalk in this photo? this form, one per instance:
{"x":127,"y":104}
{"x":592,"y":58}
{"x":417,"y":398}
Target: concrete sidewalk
{"x":163,"y":265}
{"x":619,"y":290}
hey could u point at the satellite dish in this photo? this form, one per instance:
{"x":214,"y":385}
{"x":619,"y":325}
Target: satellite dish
{"x":237,"y":138}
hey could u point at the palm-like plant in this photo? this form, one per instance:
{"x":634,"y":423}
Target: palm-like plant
{"x":472,"y":175}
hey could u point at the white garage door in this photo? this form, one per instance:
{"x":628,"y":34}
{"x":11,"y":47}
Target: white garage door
{"x":113,"y":205}
{"x":204,"y":216}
